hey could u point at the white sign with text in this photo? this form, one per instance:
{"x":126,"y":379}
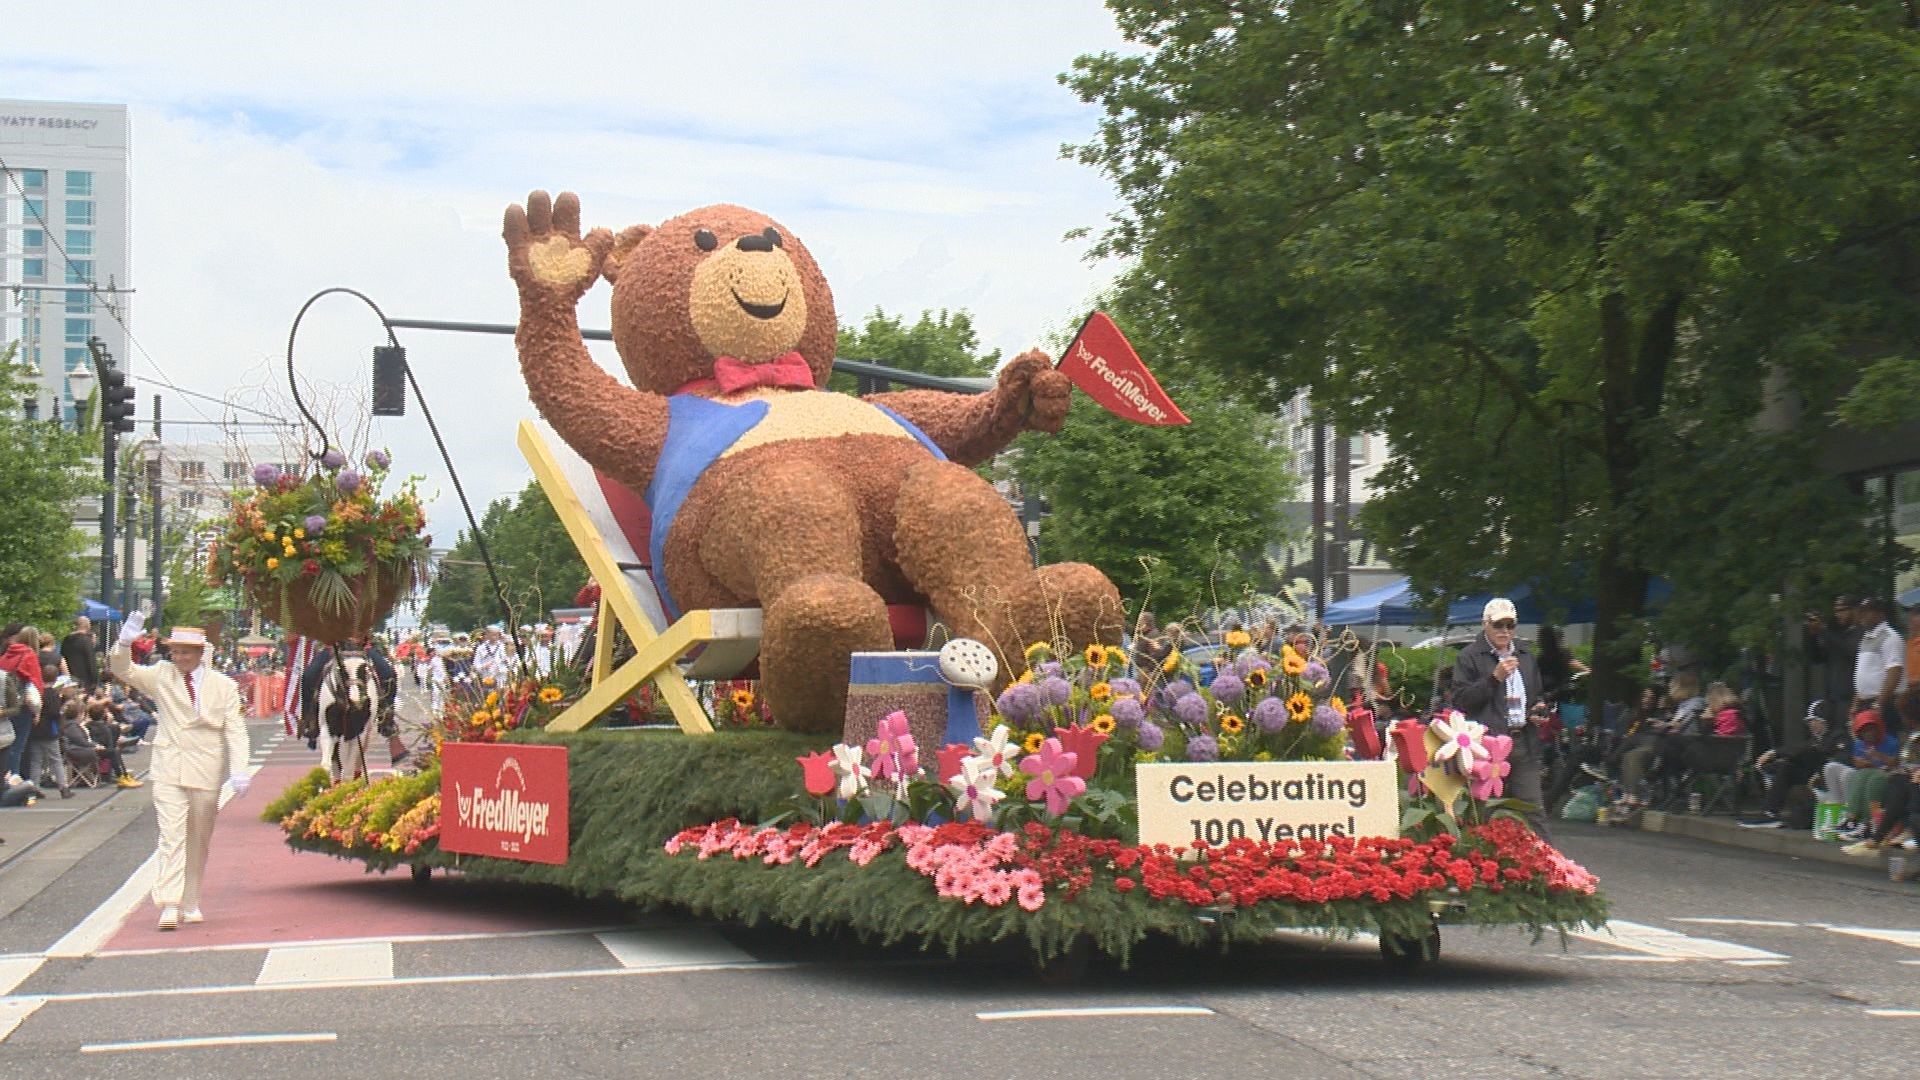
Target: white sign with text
{"x":1211,"y":803}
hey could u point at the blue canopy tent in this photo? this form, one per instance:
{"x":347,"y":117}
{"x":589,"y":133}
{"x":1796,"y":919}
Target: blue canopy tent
{"x":1392,"y":604}
{"x":1909,"y":598}
{"x":98,"y":612}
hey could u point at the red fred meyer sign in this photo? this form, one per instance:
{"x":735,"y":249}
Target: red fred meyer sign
{"x":507,"y":801}
{"x":1102,"y":363}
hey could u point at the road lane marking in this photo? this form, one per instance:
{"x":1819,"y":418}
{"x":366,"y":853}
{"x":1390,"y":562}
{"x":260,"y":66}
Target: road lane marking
{"x":15,"y":970}
{"x":1658,"y":941}
{"x":1627,"y":959}
{"x":1897,"y":1013}
{"x":13,"y":1011}
{"x":398,"y":982}
{"x":216,"y":1040}
{"x":649,"y":949}
{"x":396,"y":939}
{"x":1774,"y":923}
{"x":1909,"y":938}
{"x":1758,"y":963}
{"x":100,"y":925}
{"x":327,"y":963}
{"x":1095,"y":1011}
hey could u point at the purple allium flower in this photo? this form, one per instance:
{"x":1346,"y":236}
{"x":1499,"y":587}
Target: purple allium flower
{"x":1124,"y":687}
{"x":333,"y":459}
{"x":1056,"y":690}
{"x":1251,"y":662}
{"x":1326,"y":721}
{"x":1316,"y":672}
{"x":315,"y":523}
{"x":1227,"y":689}
{"x":1151,"y":737}
{"x":266,"y":475}
{"x":349,"y":481}
{"x":1203,"y":748}
{"x":379,"y":459}
{"x":1048,"y":669}
{"x":1270,"y":714}
{"x":1019,"y":702}
{"x":1192,"y":710}
{"x":1126,"y":712}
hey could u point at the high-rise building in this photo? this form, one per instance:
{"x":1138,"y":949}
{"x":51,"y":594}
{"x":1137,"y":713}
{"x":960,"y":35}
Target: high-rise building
{"x":1364,"y":565}
{"x":65,"y":241}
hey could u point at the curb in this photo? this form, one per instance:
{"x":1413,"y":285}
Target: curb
{"x":1790,"y":842}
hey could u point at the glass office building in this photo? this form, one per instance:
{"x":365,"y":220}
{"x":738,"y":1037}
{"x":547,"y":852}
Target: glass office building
{"x":65,"y":241}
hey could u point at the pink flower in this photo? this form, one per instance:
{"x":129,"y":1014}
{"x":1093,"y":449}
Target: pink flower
{"x":816,"y":771}
{"x":1052,"y":770}
{"x":1084,"y":744}
{"x":1488,"y":777}
{"x":893,"y":751}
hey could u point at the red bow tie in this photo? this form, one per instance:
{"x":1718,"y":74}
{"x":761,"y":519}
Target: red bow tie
{"x":789,"y":370}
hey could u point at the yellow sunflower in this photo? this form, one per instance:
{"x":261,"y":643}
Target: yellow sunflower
{"x":493,"y":698}
{"x":1291,"y":661}
{"x":1231,"y":724}
{"x":1102,"y":724}
{"x":1033,"y":742}
{"x":1257,"y":678}
{"x":1238,"y":639}
{"x":551,"y":694}
{"x":1338,"y":706}
{"x":1100,"y":691}
{"x":480,"y":716}
{"x":1096,"y":656}
{"x":1037,"y":650}
{"x":743,"y":699}
{"x":1299,"y":708}
{"x":1173,"y":661}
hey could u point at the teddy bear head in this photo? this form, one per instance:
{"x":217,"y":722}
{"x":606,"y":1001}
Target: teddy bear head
{"x":720,"y":281}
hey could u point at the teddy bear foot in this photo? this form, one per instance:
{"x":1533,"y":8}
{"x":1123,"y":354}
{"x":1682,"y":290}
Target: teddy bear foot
{"x":810,"y":632}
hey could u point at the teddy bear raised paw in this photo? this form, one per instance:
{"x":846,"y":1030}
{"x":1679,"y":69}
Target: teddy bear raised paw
{"x":766,"y":489}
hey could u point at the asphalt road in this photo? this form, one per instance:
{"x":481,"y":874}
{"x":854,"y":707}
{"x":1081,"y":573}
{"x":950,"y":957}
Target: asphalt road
{"x":1723,"y":962}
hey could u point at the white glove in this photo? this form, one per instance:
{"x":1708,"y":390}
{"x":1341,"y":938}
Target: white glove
{"x":239,"y":782}
{"x":135,"y":625}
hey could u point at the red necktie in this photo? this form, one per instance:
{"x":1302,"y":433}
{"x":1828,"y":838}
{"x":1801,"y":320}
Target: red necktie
{"x":191,"y":696}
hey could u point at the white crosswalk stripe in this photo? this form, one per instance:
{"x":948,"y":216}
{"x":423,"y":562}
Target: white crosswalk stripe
{"x":657,"y":949}
{"x":1655,"y":941}
{"x":326,"y":963}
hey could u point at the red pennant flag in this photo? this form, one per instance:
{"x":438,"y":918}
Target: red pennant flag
{"x":1101,"y":362}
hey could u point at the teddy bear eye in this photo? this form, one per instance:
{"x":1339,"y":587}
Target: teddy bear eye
{"x":705,"y":240}
{"x":773,"y":236}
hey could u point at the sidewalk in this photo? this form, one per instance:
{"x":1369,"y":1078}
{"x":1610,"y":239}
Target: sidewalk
{"x":23,"y":827}
{"x":1796,"y":843}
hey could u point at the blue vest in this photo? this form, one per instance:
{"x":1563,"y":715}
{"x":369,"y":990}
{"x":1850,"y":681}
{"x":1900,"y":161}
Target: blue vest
{"x":699,"y":431}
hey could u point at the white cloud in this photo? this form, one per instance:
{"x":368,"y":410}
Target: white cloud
{"x":280,"y":150}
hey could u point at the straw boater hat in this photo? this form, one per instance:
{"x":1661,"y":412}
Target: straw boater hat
{"x":191,"y":636}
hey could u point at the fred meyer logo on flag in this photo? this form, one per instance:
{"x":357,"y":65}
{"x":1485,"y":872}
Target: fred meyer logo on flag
{"x":509,"y":802}
{"x":1102,"y":363}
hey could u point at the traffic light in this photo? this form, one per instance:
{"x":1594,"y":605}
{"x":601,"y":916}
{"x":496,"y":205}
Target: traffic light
{"x":116,"y":400}
{"x":389,"y":381}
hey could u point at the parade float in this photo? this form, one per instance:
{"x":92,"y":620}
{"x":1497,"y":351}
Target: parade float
{"x":1020,"y":782}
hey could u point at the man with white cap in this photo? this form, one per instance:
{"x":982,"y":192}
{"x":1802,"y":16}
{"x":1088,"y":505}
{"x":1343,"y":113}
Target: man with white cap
{"x":200,"y":740}
{"x":1495,"y":679}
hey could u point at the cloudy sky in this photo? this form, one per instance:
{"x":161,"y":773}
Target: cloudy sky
{"x":281,"y":149}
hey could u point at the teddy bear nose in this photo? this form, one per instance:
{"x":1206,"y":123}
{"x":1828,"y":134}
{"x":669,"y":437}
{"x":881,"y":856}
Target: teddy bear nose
{"x":755,"y":242}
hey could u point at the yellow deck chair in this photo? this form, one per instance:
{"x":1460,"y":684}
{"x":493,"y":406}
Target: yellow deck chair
{"x":608,"y":524}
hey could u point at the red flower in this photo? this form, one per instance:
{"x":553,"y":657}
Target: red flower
{"x":1124,"y":884}
{"x":310,"y":567}
{"x":816,"y":770}
{"x":1085,"y":743}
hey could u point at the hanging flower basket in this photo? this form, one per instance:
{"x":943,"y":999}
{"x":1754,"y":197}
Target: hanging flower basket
{"x":325,"y":555}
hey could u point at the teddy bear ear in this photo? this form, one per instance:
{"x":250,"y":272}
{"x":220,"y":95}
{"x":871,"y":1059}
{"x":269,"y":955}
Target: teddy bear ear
{"x":623,"y":246}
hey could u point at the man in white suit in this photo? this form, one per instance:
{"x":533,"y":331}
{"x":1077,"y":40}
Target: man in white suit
{"x":200,"y":740}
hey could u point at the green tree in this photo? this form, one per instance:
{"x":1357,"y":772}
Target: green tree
{"x":1563,"y":254}
{"x":939,"y":343}
{"x":189,"y":598}
{"x":43,"y":474}
{"x":537,"y":563}
{"x":1178,"y":517}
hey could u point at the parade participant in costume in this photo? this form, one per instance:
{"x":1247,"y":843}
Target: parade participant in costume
{"x":1494,"y":680}
{"x":201,"y":740}
{"x":490,"y":659}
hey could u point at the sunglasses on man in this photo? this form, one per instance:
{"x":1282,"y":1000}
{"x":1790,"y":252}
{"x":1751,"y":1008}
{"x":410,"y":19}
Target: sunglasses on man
{"x":1503,"y":624}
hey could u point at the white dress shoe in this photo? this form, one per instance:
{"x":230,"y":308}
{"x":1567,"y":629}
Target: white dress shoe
{"x":192,"y":917}
{"x":170,"y":918}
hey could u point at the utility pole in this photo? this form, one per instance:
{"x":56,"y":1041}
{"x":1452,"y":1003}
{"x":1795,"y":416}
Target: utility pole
{"x":153,"y":504}
{"x":1320,"y":576}
{"x":1342,"y":514}
{"x":128,"y":526}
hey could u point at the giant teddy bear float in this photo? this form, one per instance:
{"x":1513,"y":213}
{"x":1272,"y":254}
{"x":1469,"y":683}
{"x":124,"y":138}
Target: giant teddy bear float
{"x":819,"y":507}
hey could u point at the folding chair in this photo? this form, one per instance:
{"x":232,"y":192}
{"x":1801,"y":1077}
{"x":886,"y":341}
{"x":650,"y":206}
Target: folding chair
{"x":1721,"y":759}
{"x":611,"y":526}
